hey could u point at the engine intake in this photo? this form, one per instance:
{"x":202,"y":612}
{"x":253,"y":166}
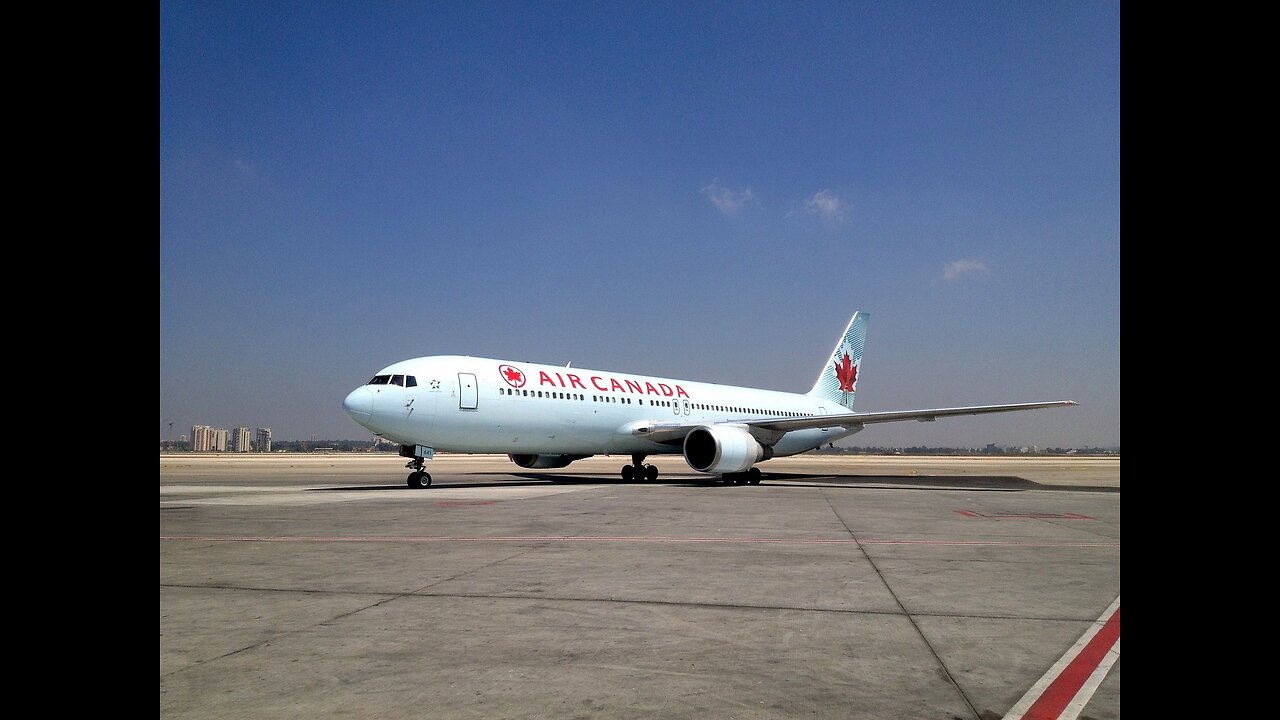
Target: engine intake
{"x":723,"y":449}
{"x":544,"y":462}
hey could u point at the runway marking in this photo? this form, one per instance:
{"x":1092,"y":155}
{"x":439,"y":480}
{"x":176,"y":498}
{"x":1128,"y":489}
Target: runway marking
{"x":620,"y":538}
{"x":1064,"y":691}
{"x":1023,"y":516}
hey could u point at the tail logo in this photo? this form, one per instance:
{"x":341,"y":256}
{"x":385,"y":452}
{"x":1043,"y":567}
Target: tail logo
{"x":846,"y":373}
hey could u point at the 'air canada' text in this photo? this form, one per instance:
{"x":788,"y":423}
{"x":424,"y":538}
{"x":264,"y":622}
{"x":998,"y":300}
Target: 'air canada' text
{"x":570,"y":380}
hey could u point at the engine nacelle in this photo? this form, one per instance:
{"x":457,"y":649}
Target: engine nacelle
{"x":544,"y":462}
{"x":723,"y":449}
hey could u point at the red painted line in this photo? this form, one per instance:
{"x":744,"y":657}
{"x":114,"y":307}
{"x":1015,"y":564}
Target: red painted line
{"x":1054,"y":699}
{"x":620,"y":538}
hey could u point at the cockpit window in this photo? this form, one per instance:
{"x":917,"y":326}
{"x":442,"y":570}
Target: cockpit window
{"x":380,"y":380}
{"x":397,"y":380}
{"x":410,"y":381}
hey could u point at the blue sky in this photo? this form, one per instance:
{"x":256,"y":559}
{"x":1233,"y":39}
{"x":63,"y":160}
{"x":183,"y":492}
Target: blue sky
{"x":701,"y":192}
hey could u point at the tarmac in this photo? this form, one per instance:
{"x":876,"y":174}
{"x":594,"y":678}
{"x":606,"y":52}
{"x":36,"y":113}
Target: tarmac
{"x":298,"y":586}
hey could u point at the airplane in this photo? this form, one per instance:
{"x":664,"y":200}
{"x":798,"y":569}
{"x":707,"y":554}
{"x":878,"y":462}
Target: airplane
{"x":545,"y":416}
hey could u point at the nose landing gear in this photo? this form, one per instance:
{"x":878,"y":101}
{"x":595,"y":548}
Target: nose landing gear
{"x":419,"y":478}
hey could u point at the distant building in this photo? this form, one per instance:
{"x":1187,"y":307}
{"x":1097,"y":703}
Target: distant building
{"x":201,"y":438}
{"x":240,"y":439}
{"x":208,"y":439}
{"x":264,"y":439}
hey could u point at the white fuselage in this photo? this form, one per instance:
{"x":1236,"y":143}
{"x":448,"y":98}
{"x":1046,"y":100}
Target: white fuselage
{"x":482,"y":405}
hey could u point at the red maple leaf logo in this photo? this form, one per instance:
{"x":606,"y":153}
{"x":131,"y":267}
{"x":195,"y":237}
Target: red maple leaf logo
{"x":513,"y":376}
{"x":846,"y":373}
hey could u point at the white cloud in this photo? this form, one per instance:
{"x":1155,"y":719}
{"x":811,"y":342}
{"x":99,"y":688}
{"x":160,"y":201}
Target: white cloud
{"x":727,"y":200}
{"x":960,"y":268}
{"x":827,"y":206}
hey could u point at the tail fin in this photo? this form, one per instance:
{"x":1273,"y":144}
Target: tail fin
{"x":839,"y":377}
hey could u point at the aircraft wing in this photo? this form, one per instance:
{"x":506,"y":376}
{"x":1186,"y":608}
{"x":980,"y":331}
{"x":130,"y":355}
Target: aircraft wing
{"x":770,"y":430}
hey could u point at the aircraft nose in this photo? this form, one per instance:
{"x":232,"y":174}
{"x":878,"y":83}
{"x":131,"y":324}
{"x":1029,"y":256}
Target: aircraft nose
{"x":359,"y":405}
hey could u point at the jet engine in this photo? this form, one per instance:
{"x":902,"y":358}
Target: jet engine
{"x":544,"y":462}
{"x":723,"y":449}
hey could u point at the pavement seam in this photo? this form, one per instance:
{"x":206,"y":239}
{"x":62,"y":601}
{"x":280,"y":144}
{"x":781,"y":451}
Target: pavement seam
{"x":945,"y":670}
{"x":277,"y":636}
{"x":631,"y":601}
{"x":343,"y":615}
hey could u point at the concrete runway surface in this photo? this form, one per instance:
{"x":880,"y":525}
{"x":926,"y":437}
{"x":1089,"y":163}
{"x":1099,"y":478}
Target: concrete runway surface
{"x":302,"y":586}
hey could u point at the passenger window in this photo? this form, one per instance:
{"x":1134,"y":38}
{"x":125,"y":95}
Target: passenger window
{"x":410,"y":381}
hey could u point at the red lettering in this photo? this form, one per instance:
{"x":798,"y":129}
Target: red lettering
{"x":635,"y":386}
{"x":617,"y":385}
{"x":680,"y":392}
{"x":649,"y":388}
{"x":666,"y":389}
{"x":561,"y":379}
{"x":545,"y":379}
{"x":596,"y":380}
{"x":576,"y":382}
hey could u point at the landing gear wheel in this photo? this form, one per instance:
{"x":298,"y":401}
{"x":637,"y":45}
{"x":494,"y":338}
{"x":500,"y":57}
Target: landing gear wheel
{"x":419,"y":479}
{"x":634,"y":472}
{"x":753,"y":476}
{"x":650,"y":473}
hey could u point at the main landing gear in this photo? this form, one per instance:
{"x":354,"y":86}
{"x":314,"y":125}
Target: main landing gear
{"x":751,"y":476}
{"x":419,"y":478}
{"x":638,"y":471}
